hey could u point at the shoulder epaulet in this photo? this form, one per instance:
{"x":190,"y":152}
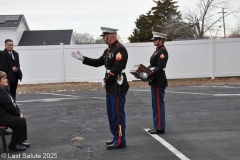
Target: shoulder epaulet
{"x":162,"y":48}
{"x":120,"y":45}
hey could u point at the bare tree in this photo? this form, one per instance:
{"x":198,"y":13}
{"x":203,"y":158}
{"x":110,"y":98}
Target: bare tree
{"x":100,"y":40}
{"x":235,"y":32}
{"x":176,"y":29}
{"x":119,"y":38}
{"x":84,"y":38}
{"x":203,"y":18}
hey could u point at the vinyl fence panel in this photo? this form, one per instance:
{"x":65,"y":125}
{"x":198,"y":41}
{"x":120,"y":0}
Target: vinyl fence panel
{"x":208,"y":58}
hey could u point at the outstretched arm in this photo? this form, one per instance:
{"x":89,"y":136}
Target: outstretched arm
{"x":88,"y":61}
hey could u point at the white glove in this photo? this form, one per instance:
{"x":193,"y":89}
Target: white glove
{"x":77,"y":55}
{"x":143,"y":75}
{"x":103,"y":84}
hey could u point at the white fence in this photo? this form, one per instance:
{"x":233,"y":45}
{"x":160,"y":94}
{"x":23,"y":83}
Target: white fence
{"x":187,"y":59}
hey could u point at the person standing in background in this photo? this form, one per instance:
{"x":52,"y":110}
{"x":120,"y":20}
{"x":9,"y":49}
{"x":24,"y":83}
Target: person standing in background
{"x":4,"y":64}
{"x":115,"y":82}
{"x":5,"y":68}
{"x":14,"y":73}
{"x":158,"y":62}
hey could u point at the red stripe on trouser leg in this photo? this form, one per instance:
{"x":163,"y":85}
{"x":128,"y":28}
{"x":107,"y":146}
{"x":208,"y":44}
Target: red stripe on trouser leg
{"x":158,"y":109}
{"x":118,"y":115}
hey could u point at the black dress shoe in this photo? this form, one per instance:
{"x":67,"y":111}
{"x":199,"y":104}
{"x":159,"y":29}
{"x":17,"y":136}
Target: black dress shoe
{"x":114,"y":146}
{"x":156,"y":132}
{"x":25,"y":144}
{"x":151,"y":130}
{"x":109,"y":142}
{"x":16,"y":147}
{"x":6,"y":132}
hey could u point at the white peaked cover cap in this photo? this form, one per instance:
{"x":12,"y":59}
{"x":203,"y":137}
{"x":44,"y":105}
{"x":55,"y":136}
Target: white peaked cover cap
{"x":107,"y":30}
{"x":157,"y":35}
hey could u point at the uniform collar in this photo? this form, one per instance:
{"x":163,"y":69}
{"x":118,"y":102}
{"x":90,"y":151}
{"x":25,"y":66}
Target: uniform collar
{"x":160,"y":47}
{"x":113,"y":44}
{"x":8,"y":51}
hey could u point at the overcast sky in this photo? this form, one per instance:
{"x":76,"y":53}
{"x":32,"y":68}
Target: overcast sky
{"x":86,"y":16}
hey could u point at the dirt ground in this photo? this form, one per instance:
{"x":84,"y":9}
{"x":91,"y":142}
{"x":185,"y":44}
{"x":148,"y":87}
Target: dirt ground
{"x":73,"y":86}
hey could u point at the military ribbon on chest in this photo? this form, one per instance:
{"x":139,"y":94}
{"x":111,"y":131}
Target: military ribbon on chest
{"x":110,"y":55}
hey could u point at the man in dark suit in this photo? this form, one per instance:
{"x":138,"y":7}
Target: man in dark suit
{"x":5,"y":68}
{"x":11,"y":116}
{"x":3,"y":62}
{"x":14,"y":73}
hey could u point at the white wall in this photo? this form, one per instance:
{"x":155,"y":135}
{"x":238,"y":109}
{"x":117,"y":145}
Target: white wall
{"x":187,"y":59}
{"x":72,"y":41}
{"x":227,"y":57}
{"x":8,"y":33}
{"x":40,"y":64}
{"x":20,"y":30}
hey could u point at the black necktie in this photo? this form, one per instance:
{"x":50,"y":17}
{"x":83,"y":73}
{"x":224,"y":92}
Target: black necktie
{"x":12,"y":55}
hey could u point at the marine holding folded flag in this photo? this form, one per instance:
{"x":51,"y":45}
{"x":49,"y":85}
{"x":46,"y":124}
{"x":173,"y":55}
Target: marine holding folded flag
{"x":158,"y":62}
{"x":115,"y":82}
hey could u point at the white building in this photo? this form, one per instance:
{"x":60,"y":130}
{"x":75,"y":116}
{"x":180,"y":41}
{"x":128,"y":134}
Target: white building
{"x":12,"y":27}
{"x":15,"y":27}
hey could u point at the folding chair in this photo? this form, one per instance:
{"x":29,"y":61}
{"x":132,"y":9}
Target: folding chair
{"x":2,"y":128}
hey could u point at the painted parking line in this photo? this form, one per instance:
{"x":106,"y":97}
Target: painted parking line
{"x":194,"y":93}
{"x":204,"y":94}
{"x":97,"y":97}
{"x":214,"y":87}
{"x":142,"y":90}
{"x":173,"y":92}
{"x":226,"y":95}
{"x":168,"y":146}
{"x":45,"y":100}
{"x":54,"y":99}
{"x":56,"y":94}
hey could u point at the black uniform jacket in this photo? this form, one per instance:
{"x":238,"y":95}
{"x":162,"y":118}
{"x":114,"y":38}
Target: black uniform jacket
{"x":4,"y":66}
{"x":8,"y":109}
{"x":13,"y":62}
{"x":159,"y":60}
{"x":114,"y":59}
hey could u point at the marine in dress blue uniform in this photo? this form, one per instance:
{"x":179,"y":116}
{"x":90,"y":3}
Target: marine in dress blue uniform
{"x":114,"y":58}
{"x":158,"y":62}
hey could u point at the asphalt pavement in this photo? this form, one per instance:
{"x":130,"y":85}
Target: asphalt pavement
{"x":202,"y":123}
